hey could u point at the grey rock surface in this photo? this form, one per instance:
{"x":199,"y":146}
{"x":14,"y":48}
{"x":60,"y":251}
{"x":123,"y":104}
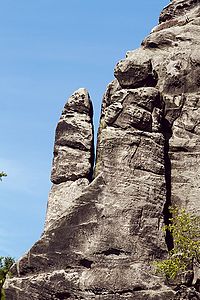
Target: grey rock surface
{"x":74,"y":149}
{"x":73,"y":155}
{"x":104,"y":230}
{"x":136,"y":72}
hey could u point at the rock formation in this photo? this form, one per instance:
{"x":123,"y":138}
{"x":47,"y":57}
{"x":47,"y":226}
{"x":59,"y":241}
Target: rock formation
{"x":103,"y":228}
{"x":73,"y":155}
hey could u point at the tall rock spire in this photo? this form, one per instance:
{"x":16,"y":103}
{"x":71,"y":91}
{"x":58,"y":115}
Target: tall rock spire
{"x":103,"y":233}
{"x":74,"y":149}
{"x":73,"y":155}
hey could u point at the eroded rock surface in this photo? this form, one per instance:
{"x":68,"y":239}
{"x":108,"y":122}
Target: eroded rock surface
{"x":73,"y":150}
{"x":103,"y":230}
{"x":73,"y":155}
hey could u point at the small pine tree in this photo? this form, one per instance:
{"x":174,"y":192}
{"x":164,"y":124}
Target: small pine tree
{"x":185,"y":230}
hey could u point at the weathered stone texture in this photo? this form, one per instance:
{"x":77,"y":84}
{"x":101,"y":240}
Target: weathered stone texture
{"x":136,"y":72}
{"x":103,"y":230}
{"x":73,"y":155}
{"x":73,"y":150}
{"x":62,"y":197}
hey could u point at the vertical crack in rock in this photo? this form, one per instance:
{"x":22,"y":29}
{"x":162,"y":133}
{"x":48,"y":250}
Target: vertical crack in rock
{"x":167,"y":215}
{"x":172,"y":112}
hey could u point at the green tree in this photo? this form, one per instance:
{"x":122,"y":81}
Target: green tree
{"x":5,"y":264}
{"x":185,"y":230}
{"x":2,"y":174}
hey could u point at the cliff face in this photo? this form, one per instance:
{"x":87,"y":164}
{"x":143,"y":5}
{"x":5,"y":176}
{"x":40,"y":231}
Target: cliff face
{"x":103,"y":230}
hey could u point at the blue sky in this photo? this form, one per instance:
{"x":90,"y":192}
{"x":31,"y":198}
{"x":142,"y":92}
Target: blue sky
{"x":49,"y":48}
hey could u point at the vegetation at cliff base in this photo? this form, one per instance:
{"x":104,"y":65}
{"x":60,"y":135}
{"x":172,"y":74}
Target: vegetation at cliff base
{"x":5,"y":264}
{"x":185,"y":231}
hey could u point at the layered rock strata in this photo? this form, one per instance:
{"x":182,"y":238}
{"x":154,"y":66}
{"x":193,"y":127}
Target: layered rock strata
{"x":73,"y":155}
{"x":103,"y":231}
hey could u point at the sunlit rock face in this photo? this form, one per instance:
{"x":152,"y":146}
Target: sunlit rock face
{"x":73,"y":155}
{"x":103,"y":227}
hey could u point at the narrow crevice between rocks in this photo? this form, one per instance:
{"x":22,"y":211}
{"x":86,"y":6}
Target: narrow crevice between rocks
{"x":167,"y":131}
{"x":92,"y":150}
{"x":167,"y":215}
{"x":92,"y":163}
{"x":135,"y":289}
{"x":75,"y":145}
{"x":86,"y":263}
{"x":113,"y":251}
{"x":63,"y":295}
{"x":73,"y":177}
{"x":99,"y":291}
{"x":180,"y":149}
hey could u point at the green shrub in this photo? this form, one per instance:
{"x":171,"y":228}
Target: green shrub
{"x":5,"y":264}
{"x":185,"y":231}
